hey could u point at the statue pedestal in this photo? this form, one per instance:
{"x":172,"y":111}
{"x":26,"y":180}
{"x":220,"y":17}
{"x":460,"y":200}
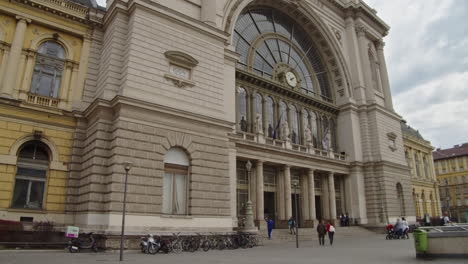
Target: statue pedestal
{"x":310,"y":148}
{"x":260,"y":138}
{"x":287,"y":144}
{"x":249,"y":221}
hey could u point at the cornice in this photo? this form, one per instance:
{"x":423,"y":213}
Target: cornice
{"x":65,"y":9}
{"x":363,"y":11}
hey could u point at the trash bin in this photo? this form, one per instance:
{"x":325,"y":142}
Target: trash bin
{"x":420,"y":240}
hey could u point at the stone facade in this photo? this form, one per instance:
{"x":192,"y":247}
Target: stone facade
{"x":168,"y":82}
{"x":425,"y":187}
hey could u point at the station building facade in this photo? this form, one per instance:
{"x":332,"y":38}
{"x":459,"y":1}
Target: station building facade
{"x":214,"y":102}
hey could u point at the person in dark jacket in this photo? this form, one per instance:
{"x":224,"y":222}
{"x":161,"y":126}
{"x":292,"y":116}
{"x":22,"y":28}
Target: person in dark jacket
{"x":321,"y":230}
{"x":270,"y":227}
{"x":292,"y":225}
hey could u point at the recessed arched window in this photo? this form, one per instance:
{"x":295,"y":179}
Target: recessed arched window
{"x":325,"y":130}
{"x":426,"y":173}
{"x":333,"y":134}
{"x":270,"y":116}
{"x":175,"y":182}
{"x":416,"y":163}
{"x":242,"y":109}
{"x":47,"y":75}
{"x":31,"y":176}
{"x":375,"y":72}
{"x":314,"y":128}
{"x":295,"y":138}
{"x":401,"y":199}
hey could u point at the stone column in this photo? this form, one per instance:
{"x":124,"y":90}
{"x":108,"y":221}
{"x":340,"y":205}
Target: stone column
{"x":305,"y":197}
{"x":332,"y":198}
{"x":233,"y":184}
{"x":259,"y":200}
{"x":281,"y":199}
{"x":4,"y":61}
{"x":287,"y":191}
{"x":384,"y":76}
{"x":364,"y":54}
{"x":30,"y":59}
{"x":312,"y":210}
{"x":325,"y":198}
{"x":14,"y":58}
{"x":354,"y":59}
{"x":208,"y":12}
{"x":77,"y":92}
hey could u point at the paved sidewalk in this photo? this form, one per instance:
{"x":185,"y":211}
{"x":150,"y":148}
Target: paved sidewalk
{"x":364,"y":249}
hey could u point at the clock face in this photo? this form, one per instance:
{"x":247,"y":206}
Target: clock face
{"x":291,"y":79}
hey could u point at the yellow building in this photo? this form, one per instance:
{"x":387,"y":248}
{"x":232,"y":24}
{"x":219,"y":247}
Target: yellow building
{"x":450,"y":166}
{"x":418,"y":153}
{"x":44,"y":50}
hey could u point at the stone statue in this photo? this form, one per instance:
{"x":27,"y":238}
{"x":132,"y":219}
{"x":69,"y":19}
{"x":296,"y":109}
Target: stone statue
{"x":243,"y":124}
{"x":284,"y":130}
{"x":329,"y":148}
{"x":308,"y":135}
{"x":270,"y":131}
{"x":258,"y":124}
{"x":293,"y":137}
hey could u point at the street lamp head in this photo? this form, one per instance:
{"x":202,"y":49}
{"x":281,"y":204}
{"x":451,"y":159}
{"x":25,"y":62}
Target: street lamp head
{"x":248,"y":166}
{"x":127,"y":165}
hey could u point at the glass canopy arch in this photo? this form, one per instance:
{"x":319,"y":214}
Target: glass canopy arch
{"x":269,"y":42}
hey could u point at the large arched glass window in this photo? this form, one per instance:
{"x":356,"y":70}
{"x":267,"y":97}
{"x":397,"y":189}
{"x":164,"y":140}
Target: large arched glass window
{"x":175,"y":182}
{"x":294,"y":126}
{"x":270,"y":116}
{"x":48,"y":70}
{"x":31,"y":175}
{"x":271,"y":43}
{"x":242,"y":109}
{"x":314,"y":128}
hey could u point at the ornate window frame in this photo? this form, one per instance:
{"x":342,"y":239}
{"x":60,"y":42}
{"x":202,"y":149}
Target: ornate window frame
{"x":180,"y":64}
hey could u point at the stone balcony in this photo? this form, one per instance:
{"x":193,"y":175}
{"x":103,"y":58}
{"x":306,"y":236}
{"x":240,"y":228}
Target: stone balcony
{"x":282,"y":144}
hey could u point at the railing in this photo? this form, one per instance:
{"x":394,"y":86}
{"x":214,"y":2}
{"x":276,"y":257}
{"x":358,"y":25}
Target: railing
{"x":43,"y":100}
{"x":447,"y":228}
{"x":78,"y":9}
{"x":260,"y":139}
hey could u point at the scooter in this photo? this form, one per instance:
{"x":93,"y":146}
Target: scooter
{"x":77,"y":244}
{"x":145,"y":243}
{"x":156,"y":245}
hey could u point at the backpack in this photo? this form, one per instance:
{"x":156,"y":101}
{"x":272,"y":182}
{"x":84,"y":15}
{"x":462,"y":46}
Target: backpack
{"x":321,"y":229}
{"x":332,"y":229}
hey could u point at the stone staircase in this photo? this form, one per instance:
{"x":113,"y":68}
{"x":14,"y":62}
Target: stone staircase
{"x":307,"y":234}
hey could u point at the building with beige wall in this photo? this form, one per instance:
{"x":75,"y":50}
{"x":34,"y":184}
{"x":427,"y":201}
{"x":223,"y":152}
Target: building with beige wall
{"x":451,"y":168}
{"x":191,"y":91}
{"x":418,"y":153}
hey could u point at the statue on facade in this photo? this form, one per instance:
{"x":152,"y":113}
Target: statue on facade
{"x":284,"y":130}
{"x":270,"y":131}
{"x":293,"y":137}
{"x":329,"y":138}
{"x":308,"y":135}
{"x":243,"y":124}
{"x":258,"y":124}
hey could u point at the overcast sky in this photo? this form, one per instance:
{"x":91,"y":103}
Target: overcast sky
{"x":427,"y":60}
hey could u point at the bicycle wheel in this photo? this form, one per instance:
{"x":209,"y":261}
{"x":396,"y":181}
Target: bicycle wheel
{"x":186,"y":245}
{"x":221,"y":245}
{"x":194,"y":246}
{"x":206,"y":245}
{"x":177,"y":247}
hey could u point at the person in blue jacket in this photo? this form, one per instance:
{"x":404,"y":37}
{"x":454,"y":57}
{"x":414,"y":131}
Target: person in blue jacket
{"x":270,"y":227}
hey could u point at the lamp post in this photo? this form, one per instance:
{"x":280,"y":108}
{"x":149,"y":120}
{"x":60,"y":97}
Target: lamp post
{"x":295,"y":184}
{"x":127,"y":167}
{"x":249,"y":224}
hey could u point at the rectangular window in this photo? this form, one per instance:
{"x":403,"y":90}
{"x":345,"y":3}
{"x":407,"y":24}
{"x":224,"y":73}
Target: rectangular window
{"x":459,"y":203}
{"x":175,"y":192}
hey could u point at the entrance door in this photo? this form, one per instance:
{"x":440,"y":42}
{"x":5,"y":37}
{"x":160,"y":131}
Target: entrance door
{"x":269,"y":206}
{"x":298,"y":217}
{"x":318,"y":207}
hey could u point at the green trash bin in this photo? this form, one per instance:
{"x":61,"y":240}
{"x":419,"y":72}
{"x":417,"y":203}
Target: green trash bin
{"x":420,"y":240}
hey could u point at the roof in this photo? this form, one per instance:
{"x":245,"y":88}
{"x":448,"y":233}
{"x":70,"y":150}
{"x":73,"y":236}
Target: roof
{"x":456,"y":151}
{"x":410,"y":131}
{"x":87,"y":3}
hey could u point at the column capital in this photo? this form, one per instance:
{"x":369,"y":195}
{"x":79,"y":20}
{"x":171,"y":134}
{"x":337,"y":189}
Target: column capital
{"x":311,"y":171}
{"x":286,"y":166}
{"x":23,"y":19}
{"x":331,"y":173}
{"x":380,"y":44}
{"x":258,"y":162}
{"x":361,"y":30}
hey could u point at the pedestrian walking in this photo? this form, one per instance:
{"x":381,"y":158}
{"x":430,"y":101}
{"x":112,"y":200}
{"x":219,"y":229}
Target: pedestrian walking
{"x":331,"y":232}
{"x":270,"y":227}
{"x":292,"y":225}
{"x":321,"y":230}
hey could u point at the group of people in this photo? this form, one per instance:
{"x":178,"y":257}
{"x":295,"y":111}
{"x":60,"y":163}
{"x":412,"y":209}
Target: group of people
{"x":400,"y":228}
{"x":344,"y":219}
{"x":322,"y":229}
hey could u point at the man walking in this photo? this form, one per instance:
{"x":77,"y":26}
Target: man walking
{"x":270,"y":227}
{"x":321,"y":230}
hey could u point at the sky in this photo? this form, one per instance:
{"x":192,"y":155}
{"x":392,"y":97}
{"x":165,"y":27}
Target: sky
{"x":427,"y":60}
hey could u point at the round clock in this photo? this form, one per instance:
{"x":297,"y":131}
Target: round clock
{"x":291,"y":79}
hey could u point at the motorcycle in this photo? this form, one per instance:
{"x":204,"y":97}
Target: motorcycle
{"x":77,"y":244}
{"x":146,"y":242}
{"x":156,"y":245}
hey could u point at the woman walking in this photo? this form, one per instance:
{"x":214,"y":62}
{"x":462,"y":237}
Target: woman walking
{"x":331,"y":232}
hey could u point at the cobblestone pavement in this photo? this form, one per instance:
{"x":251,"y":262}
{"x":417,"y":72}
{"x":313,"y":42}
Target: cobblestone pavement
{"x":360,"y":249}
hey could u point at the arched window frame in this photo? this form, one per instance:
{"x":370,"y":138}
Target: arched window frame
{"x":48,"y":65}
{"x":176,"y":182}
{"x":242,"y":109}
{"x":314,"y":121}
{"x":305,"y":123}
{"x":401,"y":198}
{"x":31,"y":176}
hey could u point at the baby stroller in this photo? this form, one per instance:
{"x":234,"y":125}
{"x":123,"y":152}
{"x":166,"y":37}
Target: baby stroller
{"x":391,"y":234}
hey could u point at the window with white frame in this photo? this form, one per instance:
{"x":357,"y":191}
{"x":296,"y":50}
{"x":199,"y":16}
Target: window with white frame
{"x":48,"y":70}
{"x":31,"y":176}
{"x":175,"y":182}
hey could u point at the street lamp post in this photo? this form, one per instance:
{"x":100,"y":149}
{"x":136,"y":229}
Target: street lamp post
{"x":127,"y":167}
{"x":249,"y":223}
{"x":295,"y":183}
